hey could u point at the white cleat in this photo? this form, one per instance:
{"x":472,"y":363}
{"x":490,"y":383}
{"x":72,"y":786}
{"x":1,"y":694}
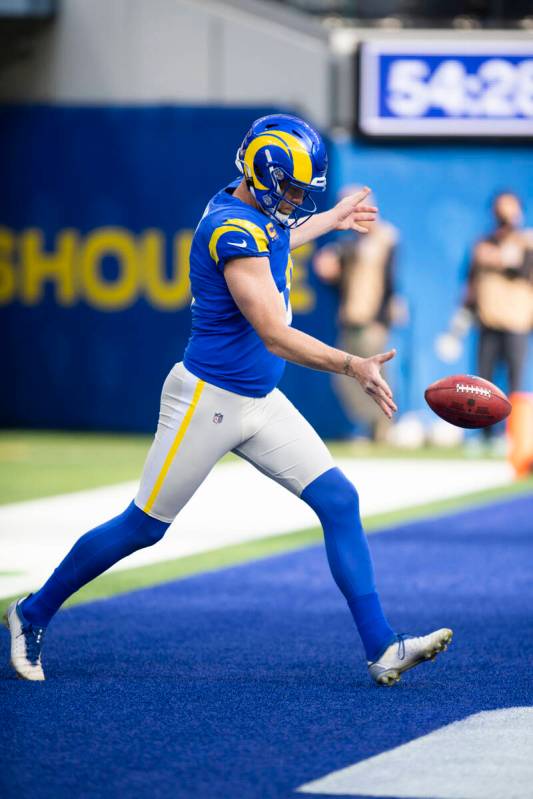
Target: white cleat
{"x":405,"y":653}
{"x":26,"y":644}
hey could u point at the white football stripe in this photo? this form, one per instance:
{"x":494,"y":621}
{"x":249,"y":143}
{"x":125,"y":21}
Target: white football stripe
{"x":488,"y":755}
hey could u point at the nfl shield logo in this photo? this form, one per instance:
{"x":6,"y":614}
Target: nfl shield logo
{"x":217,"y":418}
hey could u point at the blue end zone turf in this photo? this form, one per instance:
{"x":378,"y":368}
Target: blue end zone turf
{"x":248,"y":682}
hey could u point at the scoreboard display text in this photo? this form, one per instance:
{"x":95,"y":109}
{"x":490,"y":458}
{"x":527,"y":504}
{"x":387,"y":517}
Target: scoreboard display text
{"x":444,"y":89}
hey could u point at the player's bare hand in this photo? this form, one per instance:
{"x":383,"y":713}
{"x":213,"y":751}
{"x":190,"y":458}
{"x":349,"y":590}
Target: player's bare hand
{"x":352,"y":212}
{"x":367,"y":371}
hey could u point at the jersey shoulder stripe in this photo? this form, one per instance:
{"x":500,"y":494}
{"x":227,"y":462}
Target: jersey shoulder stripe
{"x":247,"y":238}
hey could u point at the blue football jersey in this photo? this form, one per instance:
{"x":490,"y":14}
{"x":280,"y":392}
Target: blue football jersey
{"x":224,"y":348}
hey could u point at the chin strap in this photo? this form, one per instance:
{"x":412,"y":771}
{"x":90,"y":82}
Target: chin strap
{"x":251,"y":188}
{"x":277,"y":215}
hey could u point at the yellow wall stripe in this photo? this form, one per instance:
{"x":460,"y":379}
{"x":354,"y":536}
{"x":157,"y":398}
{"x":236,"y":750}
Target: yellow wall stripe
{"x":175,"y":445}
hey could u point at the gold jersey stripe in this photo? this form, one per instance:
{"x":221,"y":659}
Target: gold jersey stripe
{"x":175,"y":445}
{"x":238,"y":226}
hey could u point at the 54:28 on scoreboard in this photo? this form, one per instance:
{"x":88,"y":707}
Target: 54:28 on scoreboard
{"x":472,"y":88}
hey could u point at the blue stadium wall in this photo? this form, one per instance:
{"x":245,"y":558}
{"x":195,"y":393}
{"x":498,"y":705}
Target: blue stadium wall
{"x":439,"y":197}
{"x":97,"y":210}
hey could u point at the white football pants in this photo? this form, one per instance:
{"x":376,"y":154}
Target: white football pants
{"x":199,"y":423}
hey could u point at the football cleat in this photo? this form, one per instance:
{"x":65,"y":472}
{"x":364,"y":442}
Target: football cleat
{"x":405,"y":653}
{"x":26,"y":643}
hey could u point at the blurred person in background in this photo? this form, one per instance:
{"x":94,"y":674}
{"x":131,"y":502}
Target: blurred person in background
{"x":362,"y":267}
{"x":499,"y":298}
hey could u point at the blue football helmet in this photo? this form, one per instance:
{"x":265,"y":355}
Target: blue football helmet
{"x":280,"y":157}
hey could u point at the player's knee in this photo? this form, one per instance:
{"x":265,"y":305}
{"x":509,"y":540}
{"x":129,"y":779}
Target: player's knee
{"x":146,"y":530}
{"x":343,"y":499}
{"x":332,"y":493}
{"x":153,"y":530}
{"x":346,"y":499}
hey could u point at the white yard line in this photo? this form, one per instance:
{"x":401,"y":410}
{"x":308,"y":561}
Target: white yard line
{"x":236,"y":503}
{"x":485,"y":756}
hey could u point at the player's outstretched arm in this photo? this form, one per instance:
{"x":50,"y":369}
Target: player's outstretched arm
{"x":254,"y":291}
{"x":349,"y":214}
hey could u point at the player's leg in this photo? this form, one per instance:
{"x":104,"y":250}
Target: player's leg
{"x":285,"y":447}
{"x":190,"y":439}
{"x":359,"y":406}
{"x":489,"y":353}
{"x":515,"y":352}
{"x":288,"y":449}
{"x":336,"y":503}
{"x":92,"y":554}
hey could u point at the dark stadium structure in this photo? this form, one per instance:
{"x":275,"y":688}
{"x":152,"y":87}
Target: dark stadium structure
{"x":420,"y":13}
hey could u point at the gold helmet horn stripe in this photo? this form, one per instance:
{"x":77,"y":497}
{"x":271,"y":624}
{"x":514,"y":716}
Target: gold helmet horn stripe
{"x":303,"y":168}
{"x":263,"y":140}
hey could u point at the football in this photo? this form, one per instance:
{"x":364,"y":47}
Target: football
{"x":467,"y":401}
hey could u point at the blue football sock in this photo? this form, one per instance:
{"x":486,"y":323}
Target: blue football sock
{"x":336,"y":503}
{"x":91,"y":555}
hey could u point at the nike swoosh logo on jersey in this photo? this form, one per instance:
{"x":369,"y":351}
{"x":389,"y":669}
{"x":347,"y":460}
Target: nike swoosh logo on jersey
{"x":242,"y":243}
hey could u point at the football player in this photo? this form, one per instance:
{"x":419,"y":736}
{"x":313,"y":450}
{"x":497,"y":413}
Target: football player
{"x":223,"y":398}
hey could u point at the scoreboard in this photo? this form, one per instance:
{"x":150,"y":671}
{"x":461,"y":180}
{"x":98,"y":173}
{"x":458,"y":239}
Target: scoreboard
{"x":436,"y":88}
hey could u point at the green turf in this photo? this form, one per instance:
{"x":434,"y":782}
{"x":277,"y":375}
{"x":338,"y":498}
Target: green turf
{"x":40,"y":464}
{"x":120,"y":582}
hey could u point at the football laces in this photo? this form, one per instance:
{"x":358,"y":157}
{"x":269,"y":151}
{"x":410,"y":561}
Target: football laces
{"x":465,"y":388}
